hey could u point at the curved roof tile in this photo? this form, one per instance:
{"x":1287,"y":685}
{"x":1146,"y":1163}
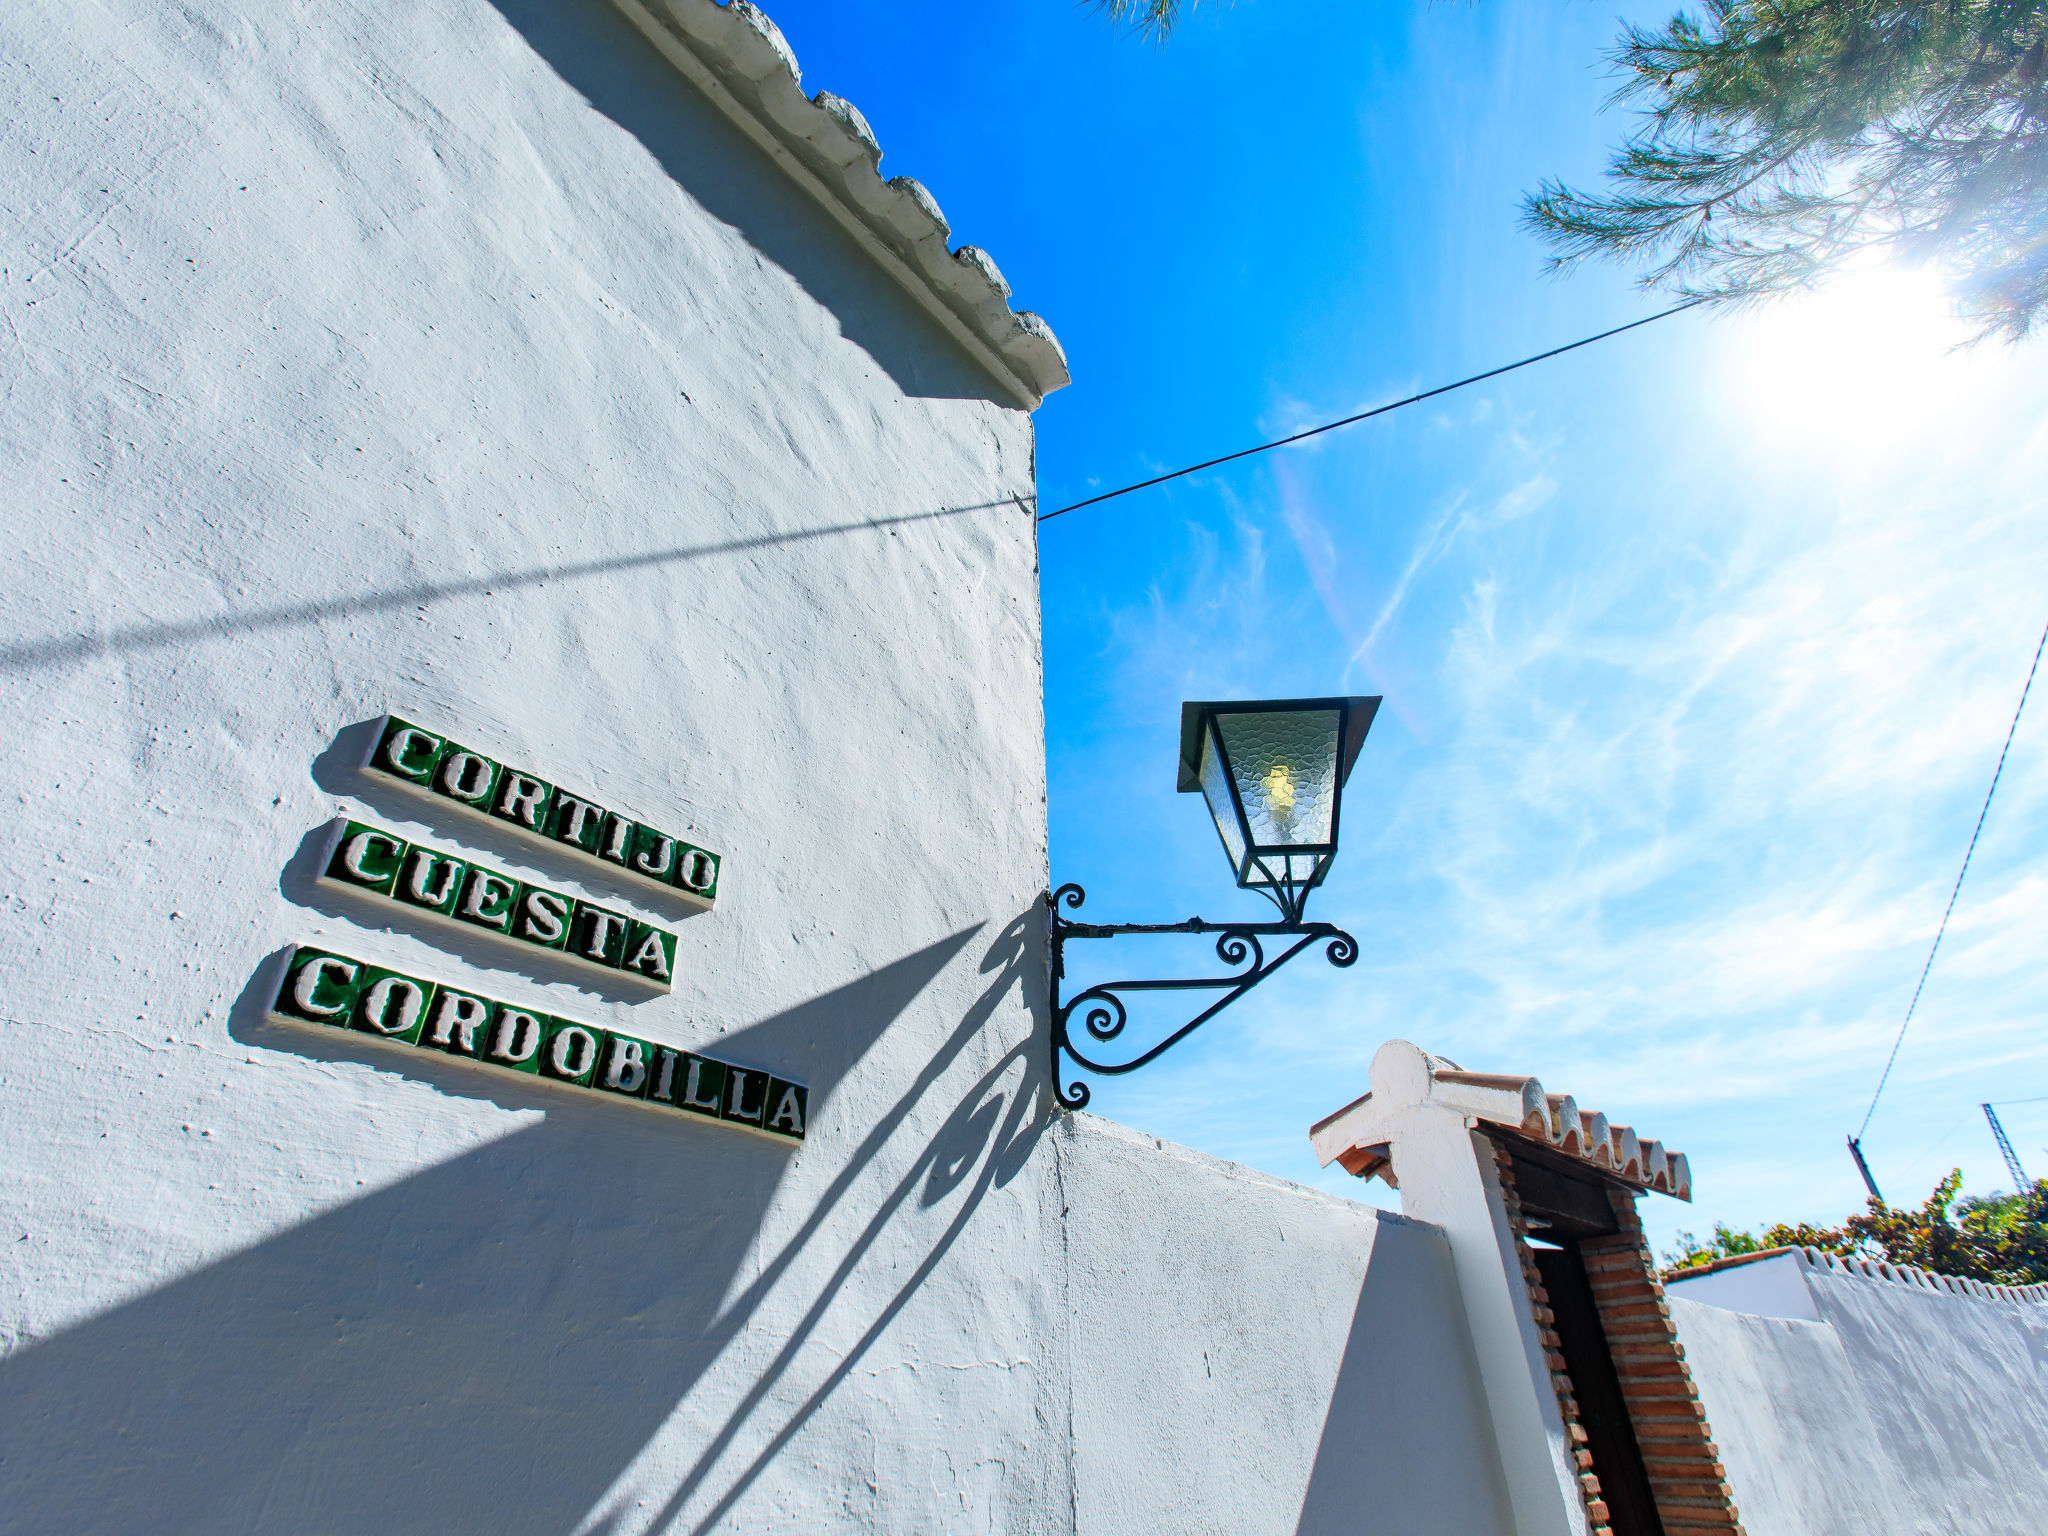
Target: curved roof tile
{"x":1404,"y":1076}
{"x":1867,"y":1269}
{"x":740,"y":59}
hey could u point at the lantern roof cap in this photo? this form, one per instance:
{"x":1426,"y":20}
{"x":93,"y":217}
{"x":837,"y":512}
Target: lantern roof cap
{"x":1194,"y":712}
{"x":738,"y":58}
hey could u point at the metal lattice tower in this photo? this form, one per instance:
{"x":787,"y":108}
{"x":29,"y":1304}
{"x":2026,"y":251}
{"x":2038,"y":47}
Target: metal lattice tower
{"x":2012,"y":1158}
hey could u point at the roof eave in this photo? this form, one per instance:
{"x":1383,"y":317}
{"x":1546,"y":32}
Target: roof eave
{"x":738,"y":58}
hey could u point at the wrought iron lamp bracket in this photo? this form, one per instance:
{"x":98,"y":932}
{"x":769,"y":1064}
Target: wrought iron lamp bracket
{"x":1102,"y":1009}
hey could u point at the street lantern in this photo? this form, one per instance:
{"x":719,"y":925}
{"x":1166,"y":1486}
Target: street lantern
{"x":1273,"y":773}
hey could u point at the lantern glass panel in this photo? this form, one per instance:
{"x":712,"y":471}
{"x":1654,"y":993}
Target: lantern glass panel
{"x":1216,"y":791}
{"x":1284,"y":764}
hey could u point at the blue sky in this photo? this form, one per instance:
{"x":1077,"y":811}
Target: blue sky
{"x":1698,"y":646}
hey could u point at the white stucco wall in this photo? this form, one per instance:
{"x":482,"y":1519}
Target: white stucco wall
{"x":1773,"y":1287}
{"x":1218,"y":1313}
{"x":1901,"y":1411}
{"x":452,"y":357}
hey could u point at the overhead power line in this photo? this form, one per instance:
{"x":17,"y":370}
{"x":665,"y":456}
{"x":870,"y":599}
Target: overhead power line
{"x":1378,"y":410}
{"x":1856,"y":1140}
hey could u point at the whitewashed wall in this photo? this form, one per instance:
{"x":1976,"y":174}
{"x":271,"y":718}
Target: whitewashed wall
{"x":1871,"y":1407}
{"x":454,"y":358}
{"x":1249,"y":1355}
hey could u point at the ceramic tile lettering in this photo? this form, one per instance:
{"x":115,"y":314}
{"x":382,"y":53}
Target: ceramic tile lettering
{"x":576,"y":821}
{"x":320,"y":989}
{"x":703,"y":1090}
{"x":626,"y":1065}
{"x":616,"y":843}
{"x":522,"y":800}
{"x":363,"y":856}
{"x":665,"y":1076}
{"x":598,"y":934}
{"x":650,"y":952}
{"x":425,"y":882}
{"x":746,"y":1096}
{"x":541,"y":916}
{"x":571,"y":1052}
{"x":406,"y":752}
{"x":458,"y":1022}
{"x":391,"y":1005}
{"x":515,"y":1038}
{"x":430,"y":880}
{"x":448,"y":774}
{"x":653,"y":854}
{"x":467,"y":777}
{"x":789,"y":1106}
{"x":487,"y":899}
{"x":696,"y":873}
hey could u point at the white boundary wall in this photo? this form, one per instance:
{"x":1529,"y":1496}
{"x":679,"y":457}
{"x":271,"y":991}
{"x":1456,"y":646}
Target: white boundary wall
{"x":1217,"y":1312}
{"x":454,"y":358}
{"x":1849,"y":1403}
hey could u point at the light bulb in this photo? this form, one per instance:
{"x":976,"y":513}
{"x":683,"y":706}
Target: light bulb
{"x":1279,"y":787}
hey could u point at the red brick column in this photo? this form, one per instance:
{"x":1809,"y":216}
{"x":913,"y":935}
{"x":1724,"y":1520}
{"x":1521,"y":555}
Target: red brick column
{"x":1546,"y":1327}
{"x":1686,"y":1476}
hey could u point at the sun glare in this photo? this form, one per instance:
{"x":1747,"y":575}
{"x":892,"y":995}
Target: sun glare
{"x":1867,"y":364}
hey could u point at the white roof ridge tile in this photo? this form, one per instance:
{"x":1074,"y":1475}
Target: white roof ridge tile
{"x":1884,"y":1272}
{"x":1405,"y":1076}
{"x":739,"y":58}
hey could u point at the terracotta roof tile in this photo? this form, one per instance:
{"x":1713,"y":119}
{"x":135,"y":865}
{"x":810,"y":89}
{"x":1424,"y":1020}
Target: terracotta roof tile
{"x":1404,"y":1076}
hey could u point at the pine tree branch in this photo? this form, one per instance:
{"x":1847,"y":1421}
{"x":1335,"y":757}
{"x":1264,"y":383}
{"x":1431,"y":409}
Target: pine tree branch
{"x":1156,"y":17}
{"x":1782,"y":137}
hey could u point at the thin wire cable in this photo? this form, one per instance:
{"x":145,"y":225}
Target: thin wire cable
{"x":1378,"y":410}
{"x":1900,"y":1040}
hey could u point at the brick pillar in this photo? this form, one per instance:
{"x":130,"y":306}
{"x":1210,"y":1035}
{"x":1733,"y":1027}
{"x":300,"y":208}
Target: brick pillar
{"x":1686,"y":1476}
{"x":1546,"y":1326}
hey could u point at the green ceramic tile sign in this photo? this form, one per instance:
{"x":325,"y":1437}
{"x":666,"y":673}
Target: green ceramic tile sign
{"x":333,"y":991}
{"x":430,"y":763}
{"x":448,"y":889}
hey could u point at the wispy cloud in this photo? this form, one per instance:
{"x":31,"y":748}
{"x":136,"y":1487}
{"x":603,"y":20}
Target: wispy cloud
{"x":1707,"y":750}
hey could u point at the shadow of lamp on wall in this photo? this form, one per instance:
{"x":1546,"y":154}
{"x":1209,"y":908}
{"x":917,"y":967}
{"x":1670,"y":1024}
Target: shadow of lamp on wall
{"x":1272,"y":772}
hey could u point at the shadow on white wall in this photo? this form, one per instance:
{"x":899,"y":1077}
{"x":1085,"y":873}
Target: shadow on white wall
{"x":488,"y":1344}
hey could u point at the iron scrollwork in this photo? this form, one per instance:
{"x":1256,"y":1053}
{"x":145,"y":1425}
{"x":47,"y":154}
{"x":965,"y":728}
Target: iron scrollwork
{"x":1101,"y":1007}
